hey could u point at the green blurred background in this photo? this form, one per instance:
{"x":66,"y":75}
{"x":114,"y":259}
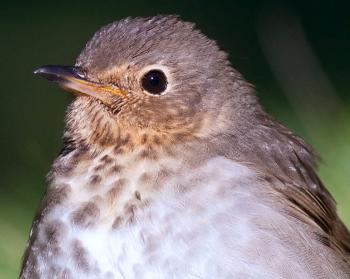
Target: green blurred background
{"x":297,"y":55}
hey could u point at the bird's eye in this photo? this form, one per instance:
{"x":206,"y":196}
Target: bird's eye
{"x":154,"y":82}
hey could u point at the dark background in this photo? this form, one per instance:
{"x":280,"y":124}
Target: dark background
{"x":296,"y":54}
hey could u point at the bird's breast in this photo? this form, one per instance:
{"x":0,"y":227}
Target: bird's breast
{"x":146,"y":218}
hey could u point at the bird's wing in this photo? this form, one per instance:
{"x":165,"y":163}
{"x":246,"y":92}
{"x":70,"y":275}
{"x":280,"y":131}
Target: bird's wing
{"x":307,"y":197}
{"x":288,"y":165}
{"x":313,"y":209}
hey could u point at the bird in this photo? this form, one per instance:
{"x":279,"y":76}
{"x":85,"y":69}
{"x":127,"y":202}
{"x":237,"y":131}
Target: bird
{"x":171,"y":168}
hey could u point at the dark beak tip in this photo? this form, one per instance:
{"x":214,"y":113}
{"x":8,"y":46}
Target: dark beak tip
{"x":39,"y":71}
{"x":47,"y":70}
{"x":57,"y":71}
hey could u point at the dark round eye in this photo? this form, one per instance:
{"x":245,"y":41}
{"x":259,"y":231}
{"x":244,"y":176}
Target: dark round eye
{"x":154,"y":82}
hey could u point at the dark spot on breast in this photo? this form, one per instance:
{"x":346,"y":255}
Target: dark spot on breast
{"x":106,"y":159}
{"x":145,"y":178}
{"x":116,"y":189}
{"x":81,"y":153}
{"x":121,"y":182}
{"x":144,"y":204}
{"x":125,"y":140}
{"x":144,"y":139}
{"x":99,"y":167}
{"x":98,"y":126}
{"x":77,"y":155}
{"x":63,"y":168}
{"x":106,"y":138}
{"x":86,"y":215}
{"x":55,"y":231}
{"x":94,"y":180}
{"x":161,"y":177}
{"x":137,"y":195}
{"x":50,"y":237}
{"x":80,"y":256}
{"x":148,"y":154}
{"x":119,"y":150}
{"x":130,"y":147}
{"x":117,"y":222}
{"x":130,"y":211}
{"x":115,"y":169}
{"x":156,"y":140}
{"x":164,"y":174}
{"x":54,"y":196}
{"x":124,"y":144}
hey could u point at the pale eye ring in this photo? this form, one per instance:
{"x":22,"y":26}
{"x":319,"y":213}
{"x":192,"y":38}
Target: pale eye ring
{"x":154,"y":82}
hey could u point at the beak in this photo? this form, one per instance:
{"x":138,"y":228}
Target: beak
{"x":74,"y":80}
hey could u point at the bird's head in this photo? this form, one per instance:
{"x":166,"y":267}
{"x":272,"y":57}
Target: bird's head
{"x":151,"y":75}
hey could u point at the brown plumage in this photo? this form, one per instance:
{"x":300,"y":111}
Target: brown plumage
{"x":171,"y":169}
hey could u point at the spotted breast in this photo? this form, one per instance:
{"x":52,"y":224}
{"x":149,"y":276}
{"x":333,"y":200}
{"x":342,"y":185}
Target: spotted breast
{"x":120,"y":215}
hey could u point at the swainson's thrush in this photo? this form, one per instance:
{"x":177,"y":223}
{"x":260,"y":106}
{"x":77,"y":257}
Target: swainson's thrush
{"x":171,"y":169}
